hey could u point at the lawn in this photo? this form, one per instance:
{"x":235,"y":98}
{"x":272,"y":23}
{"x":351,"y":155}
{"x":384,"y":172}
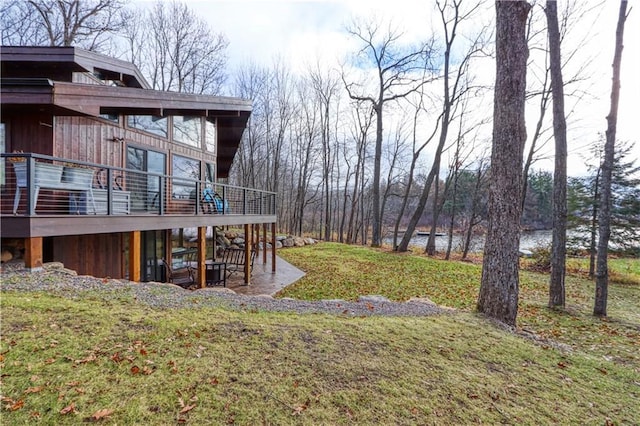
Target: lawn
{"x":110,"y":359}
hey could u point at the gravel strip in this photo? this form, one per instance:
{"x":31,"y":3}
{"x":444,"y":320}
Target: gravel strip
{"x":55,"y":279}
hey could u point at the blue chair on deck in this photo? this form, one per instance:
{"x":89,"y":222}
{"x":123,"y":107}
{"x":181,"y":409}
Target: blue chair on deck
{"x":214,"y":202}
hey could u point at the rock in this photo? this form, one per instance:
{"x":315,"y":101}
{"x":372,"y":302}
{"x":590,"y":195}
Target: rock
{"x":298,"y":241}
{"x":278,"y":245}
{"x":373,"y":299}
{"x":238,"y":241}
{"x":280,"y":238}
{"x":231,"y":235}
{"x":288,"y":242}
{"x":6,"y":256}
{"x":309,"y":241}
{"x":424,"y":300}
{"x":50,"y":266}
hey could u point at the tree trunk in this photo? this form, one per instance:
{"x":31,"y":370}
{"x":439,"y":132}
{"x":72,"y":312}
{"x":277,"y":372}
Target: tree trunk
{"x":559,"y":238}
{"x":594,"y":226}
{"x":376,"y":239}
{"x":498,"y":296}
{"x":604,"y":217}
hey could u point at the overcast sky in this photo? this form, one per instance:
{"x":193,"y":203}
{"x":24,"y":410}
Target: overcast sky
{"x":301,"y":31}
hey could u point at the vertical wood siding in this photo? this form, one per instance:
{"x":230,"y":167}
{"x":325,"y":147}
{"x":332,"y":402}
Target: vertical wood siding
{"x":99,"y":255}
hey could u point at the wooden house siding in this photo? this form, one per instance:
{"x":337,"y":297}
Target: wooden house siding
{"x":29,"y":133}
{"x":88,"y":139}
{"x":100,"y":255}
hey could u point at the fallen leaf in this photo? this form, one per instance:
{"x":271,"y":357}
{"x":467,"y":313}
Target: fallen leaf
{"x":414,"y":411}
{"x":213,"y":381}
{"x":299,"y":409}
{"x":101,"y":414}
{"x":50,"y":361}
{"x":68,"y":409}
{"x":90,"y":358}
{"x":35,"y":415}
{"x":143,"y":352}
{"x":116,"y":357}
{"x":34,"y":389}
{"x":603,"y":371}
{"x":16,"y":405}
{"x":562,"y":364}
{"x":187,"y":408}
{"x":135,"y":369}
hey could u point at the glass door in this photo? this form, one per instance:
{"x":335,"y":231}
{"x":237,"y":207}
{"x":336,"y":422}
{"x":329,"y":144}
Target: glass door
{"x":145,"y":189}
{"x":153,"y":251}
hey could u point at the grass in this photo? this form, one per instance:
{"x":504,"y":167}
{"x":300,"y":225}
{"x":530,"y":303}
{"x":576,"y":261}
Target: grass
{"x":68,"y":361}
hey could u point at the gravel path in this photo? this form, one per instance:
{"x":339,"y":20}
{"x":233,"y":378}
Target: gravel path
{"x":56,"y":280}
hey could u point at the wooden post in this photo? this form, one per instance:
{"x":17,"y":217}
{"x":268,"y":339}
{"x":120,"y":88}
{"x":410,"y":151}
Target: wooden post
{"x":135,"y":270}
{"x":214,"y":242}
{"x":33,"y":253}
{"x":264,"y":243}
{"x":273,"y":247}
{"x":202,"y":255}
{"x":247,"y":254}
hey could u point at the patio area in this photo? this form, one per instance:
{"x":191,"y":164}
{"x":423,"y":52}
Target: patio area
{"x":263,"y":281}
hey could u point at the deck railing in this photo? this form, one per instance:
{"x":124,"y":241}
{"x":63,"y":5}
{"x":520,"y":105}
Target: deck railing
{"x":34,"y":184}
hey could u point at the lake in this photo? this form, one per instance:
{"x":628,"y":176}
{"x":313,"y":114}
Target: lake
{"x":528,"y":241}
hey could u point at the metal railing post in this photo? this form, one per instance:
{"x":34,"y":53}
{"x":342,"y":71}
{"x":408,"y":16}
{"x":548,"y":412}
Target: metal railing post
{"x":162,"y":180}
{"x":244,"y":201}
{"x":31,"y":180}
{"x":198,"y":192}
{"x":109,"y":191}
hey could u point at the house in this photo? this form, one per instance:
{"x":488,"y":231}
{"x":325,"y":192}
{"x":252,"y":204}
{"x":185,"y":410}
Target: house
{"x":154,"y":164}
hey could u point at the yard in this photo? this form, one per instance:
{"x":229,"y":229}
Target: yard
{"x":108,"y":357}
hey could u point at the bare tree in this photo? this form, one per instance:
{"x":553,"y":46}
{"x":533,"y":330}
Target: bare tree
{"x":604,"y":216}
{"x":176,"y":49}
{"x":399,"y":72}
{"x":454,"y":86}
{"x":498,"y":296}
{"x":84,"y":23}
{"x":559,"y":239}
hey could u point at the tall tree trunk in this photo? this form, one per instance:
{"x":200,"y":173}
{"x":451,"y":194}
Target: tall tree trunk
{"x":498,"y":296}
{"x":604,"y":218}
{"x":594,"y":226}
{"x":376,"y":239}
{"x":559,"y":238}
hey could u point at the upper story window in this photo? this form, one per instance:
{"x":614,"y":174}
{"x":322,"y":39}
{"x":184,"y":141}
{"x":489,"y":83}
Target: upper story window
{"x":188,"y":130}
{"x":149,"y":123}
{"x":210,"y":140}
{"x":110,"y":117}
{"x":187,"y":169}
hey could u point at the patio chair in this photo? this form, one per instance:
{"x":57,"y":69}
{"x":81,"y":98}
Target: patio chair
{"x":184,"y":276}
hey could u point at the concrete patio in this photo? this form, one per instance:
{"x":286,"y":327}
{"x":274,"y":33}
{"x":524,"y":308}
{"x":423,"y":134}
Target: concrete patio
{"x":263,"y":281}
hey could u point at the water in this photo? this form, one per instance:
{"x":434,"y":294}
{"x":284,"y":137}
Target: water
{"x":528,"y":241}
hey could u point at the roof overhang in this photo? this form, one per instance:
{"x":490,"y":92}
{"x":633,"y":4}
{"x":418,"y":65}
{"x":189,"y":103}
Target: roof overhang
{"x":29,"y":61}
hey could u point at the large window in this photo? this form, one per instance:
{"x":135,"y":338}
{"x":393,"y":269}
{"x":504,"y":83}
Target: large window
{"x":187,"y":130}
{"x":189,"y":170}
{"x":145,"y":189}
{"x":210,"y":140}
{"x":149,"y":123}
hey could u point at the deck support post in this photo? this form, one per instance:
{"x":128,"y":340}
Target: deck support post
{"x":273,"y":247}
{"x":202,"y":254}
{"x":264,"y":243}
{"x":247,"y":253}
{"x":33,"y":253}
{"x":135,"y":269}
